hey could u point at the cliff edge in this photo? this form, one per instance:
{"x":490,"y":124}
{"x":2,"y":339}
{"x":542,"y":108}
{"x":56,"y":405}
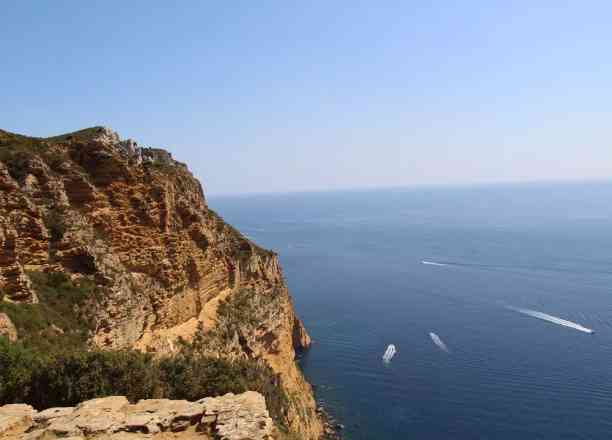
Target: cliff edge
{"x":153,"y":268}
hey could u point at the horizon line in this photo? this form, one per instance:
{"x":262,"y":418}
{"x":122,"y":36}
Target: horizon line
{"x":416,"y":186}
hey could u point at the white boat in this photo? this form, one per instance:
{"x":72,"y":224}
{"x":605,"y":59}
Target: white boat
{"x":389,"y":353}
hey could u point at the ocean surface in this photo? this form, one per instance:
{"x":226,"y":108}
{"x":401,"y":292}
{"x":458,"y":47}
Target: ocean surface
{"x":354,"y":264}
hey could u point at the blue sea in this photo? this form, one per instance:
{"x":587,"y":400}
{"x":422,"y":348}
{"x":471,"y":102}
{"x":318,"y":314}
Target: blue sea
{"x":354,"y":263}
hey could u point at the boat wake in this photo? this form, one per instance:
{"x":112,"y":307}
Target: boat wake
{"x":432,"y":263}
{"x":553,"y":319}
{"x":436,"y":340}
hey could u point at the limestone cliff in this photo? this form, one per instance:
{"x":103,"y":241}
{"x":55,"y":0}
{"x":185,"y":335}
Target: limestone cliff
{"x":166,"y":268}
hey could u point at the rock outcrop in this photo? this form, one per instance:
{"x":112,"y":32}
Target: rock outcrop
{"x":7,"y":328}
{"x":135,"y":222}
{"x":229,"y":417}
{"x":15,"y":419}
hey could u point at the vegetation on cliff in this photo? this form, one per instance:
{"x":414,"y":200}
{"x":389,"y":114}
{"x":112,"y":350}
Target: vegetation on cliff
{"x":67,"y":377}
{"x":120,"y":279}
{"x":61,"y":319}
{"x":53,"y":363}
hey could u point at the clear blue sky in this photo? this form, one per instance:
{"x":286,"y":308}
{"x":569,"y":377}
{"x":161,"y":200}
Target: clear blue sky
{"x":288,"y":96}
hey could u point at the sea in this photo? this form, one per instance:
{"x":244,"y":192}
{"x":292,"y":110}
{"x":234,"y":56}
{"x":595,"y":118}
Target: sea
{"x":477,"y":266}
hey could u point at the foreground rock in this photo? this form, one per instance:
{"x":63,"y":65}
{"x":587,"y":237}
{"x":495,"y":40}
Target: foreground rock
{"x":238,"y":417}
{"x":230,"y":417}
{"x":15,"y":418}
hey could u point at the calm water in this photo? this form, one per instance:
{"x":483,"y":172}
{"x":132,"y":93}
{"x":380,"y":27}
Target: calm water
{"x":353,"y":263}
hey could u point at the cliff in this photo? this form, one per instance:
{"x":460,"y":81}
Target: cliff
{"x":152,"y":266}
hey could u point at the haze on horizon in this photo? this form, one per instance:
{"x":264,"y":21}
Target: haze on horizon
{"x":274,"y":96}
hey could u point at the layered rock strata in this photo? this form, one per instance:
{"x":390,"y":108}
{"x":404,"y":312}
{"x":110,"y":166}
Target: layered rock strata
{"x":136,"y":222}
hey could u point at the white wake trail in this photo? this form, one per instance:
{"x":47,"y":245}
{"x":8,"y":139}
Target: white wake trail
{"x":553,"y":319}
{"x":432,"y":263}
{"x":436,"y":340}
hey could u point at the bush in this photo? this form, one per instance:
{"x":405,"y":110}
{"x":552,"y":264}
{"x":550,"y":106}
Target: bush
{"x":55,"y":224}
{"x":29,"y":375}
{"x":243,"y":311}
{"x":17,"y":164}
{"x":16,"y":151}
{"x":61,"y":320}
{"x":68,"y":379}
{"x":16,"y":367}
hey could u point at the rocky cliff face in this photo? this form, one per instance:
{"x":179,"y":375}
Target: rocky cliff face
{"x":166,"y":268}
{"x":228,"y":417}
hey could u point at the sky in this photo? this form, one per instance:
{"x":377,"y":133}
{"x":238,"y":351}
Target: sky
{"x":281,"y":96}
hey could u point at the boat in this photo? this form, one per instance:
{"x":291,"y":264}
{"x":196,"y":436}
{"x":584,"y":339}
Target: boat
{"x":389,"y":353}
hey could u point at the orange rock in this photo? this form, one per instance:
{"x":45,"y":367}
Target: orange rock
{"x":137,"y":223}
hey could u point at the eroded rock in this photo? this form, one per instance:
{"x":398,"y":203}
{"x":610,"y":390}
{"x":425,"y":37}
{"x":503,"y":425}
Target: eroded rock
{"x":91,"y":417}
{"x":238,"y":417}
{"x":229,"y":417}
{"x":15,"y":417}
{"x":44,"y":417}
{"x":154,"y":415}
{"x":7,"y":328}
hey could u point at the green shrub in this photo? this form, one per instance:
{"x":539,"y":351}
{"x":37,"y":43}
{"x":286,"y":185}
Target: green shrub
{"x":70,"y":378}
{"x":44,"y":380}
{"x":17,"y":163}
{"x":17,"y":150}
{"x":243,"y":311}
{"x":55,"y":224}
{"x":16,"y":367}
{"x":61,"y":319}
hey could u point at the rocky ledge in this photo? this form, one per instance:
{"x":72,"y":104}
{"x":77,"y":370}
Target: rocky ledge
{"x":229,"y":417}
